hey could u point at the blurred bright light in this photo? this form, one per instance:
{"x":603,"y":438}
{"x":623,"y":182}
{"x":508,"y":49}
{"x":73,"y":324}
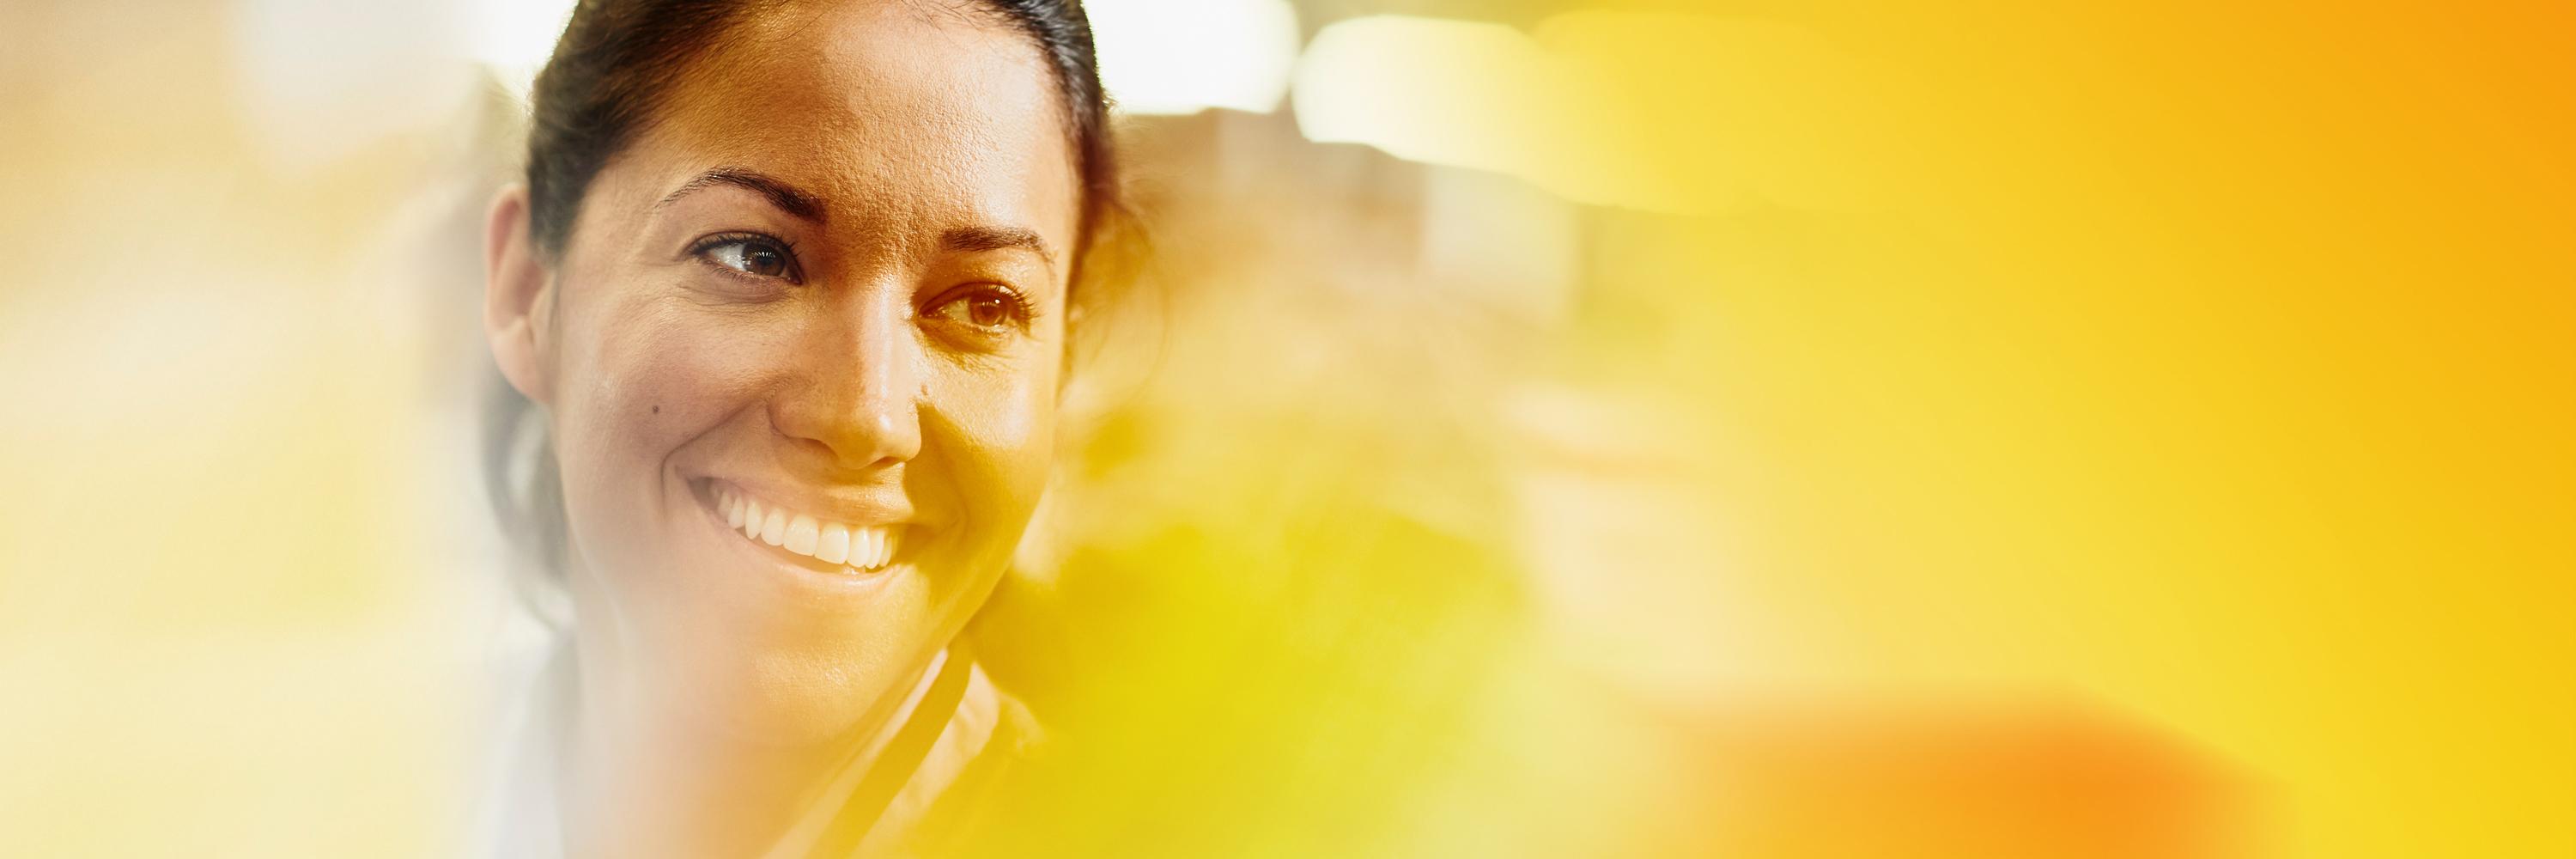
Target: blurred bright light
{"x":1184,"y":56}
{"x":513,"y":38}
{"x":321,"y":79}
{"x":1462,"y":94}
{"x":1664,"y":112}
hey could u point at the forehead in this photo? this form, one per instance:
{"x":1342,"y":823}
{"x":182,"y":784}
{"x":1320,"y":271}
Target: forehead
{"x":898,"y":114}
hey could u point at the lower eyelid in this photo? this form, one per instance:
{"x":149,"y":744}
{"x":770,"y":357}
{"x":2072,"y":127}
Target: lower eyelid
{"x":743,"y":281}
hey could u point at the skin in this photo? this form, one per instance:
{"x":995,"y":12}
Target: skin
{"x":838,"y":340}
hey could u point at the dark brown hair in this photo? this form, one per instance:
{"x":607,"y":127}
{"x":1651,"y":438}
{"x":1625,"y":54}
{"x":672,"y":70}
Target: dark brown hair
{"x":618,"y":60}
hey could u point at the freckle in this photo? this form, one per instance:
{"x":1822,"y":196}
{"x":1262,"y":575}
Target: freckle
{"x":657,"y":409}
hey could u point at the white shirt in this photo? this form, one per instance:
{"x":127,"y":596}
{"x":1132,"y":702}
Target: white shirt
{"x":954,"y":730}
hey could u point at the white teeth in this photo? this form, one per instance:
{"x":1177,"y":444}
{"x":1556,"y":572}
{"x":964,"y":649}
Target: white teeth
{"x":773,"y":530}
{"x":834,"y":546}
{"x":860,"y":547}
{"x":801,"y":534}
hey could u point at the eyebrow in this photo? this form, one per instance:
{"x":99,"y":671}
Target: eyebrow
{"x":788,"y":198}
{"x":989,"y":238}
{"x":807,"y":206}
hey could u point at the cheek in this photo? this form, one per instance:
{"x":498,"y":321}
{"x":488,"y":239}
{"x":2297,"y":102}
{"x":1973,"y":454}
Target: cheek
{"x":644,"y":380}
{"x":998,"y":432}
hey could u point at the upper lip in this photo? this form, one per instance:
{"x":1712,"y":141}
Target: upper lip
{"x":852,"y":506}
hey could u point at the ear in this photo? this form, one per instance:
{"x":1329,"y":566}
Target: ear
{"x":518,"y":297}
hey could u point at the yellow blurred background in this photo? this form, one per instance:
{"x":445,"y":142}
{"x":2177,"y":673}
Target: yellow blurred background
{"x":1546,"y":428}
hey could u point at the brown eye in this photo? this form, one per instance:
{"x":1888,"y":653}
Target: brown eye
{"x":990,"y":309}
{"x":986,"y":311}
{"x":752,"y":256}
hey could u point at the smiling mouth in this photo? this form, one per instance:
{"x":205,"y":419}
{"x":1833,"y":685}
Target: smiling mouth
{"x":817,"y":542}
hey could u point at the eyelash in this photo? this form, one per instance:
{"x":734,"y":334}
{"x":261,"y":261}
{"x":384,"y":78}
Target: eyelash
{"x":1023,"y":312}
{"x":795,"y":272}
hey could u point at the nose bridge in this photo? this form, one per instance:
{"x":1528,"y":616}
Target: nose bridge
{"x":862,"y":377}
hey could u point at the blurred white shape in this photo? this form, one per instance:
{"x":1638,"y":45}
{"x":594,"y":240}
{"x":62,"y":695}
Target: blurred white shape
{"x":322,"y":78}
{"x":1737,"y":108}
{"x":1414,"y":87}
{"x":1184,"y":56}
{"x":513,"y":39}
{"x":1463,"y":94}
{"x":1655,"y":111}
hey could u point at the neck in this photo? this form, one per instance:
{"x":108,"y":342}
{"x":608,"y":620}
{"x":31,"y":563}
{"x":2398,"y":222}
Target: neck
{"x":647,"y":781}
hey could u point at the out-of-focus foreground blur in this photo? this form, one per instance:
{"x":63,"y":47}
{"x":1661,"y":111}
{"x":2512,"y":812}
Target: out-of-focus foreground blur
{"x":1640,"y":428}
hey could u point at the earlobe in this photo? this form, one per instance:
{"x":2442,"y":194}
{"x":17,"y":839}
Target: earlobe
{"x":516,"y":291}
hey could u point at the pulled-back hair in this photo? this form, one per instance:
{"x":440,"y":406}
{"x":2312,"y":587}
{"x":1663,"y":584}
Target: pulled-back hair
{"x":619,"y":60}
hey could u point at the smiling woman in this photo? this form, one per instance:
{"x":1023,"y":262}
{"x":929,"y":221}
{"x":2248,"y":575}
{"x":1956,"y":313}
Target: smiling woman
{"x":786,"y":295}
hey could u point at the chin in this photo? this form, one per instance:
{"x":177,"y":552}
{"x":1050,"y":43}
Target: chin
{"x":779,"y":673}
{"x":751,"y":620}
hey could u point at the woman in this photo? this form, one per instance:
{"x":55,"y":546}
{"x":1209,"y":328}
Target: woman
{"x":788,"y":286}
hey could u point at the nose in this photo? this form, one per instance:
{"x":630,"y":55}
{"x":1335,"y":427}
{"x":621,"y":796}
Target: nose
{"x":855,"y":391}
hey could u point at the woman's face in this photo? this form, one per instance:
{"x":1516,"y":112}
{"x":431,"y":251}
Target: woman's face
{"x":826,"y":289}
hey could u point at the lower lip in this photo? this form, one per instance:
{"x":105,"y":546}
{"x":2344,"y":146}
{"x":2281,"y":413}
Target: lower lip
{"x":811,"y":573}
